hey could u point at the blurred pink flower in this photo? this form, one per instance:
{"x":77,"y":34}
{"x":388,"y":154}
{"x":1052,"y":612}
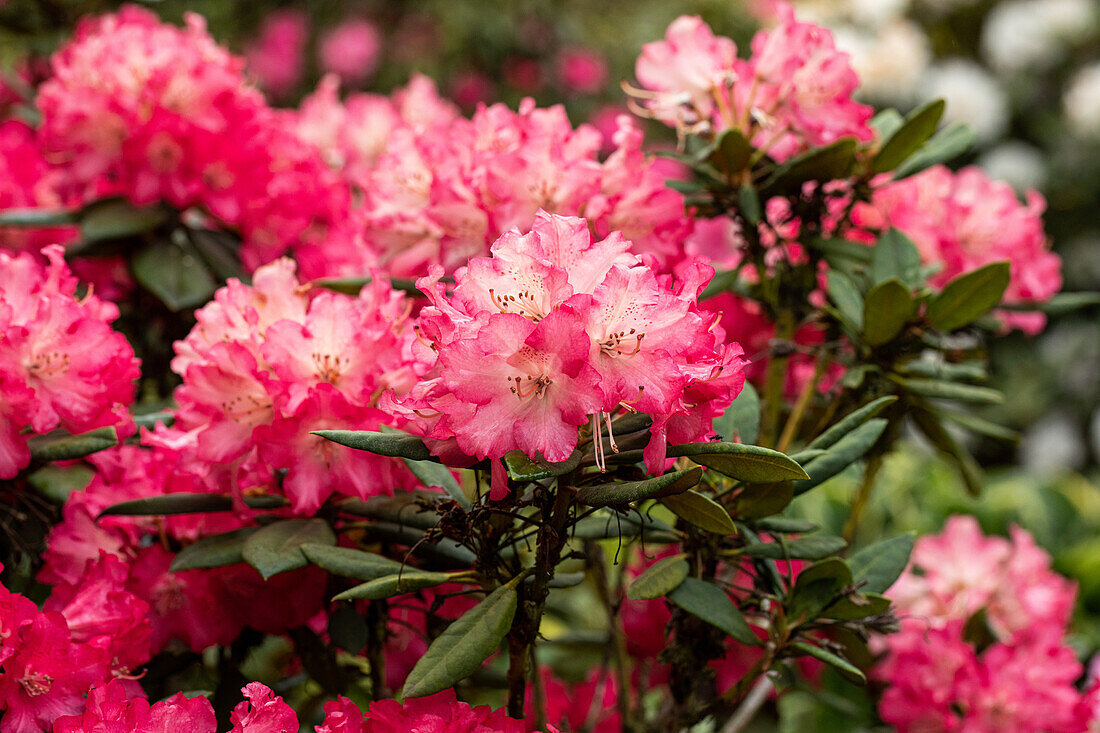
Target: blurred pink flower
{"x":275,"y":56}
{"x":581,"y":71}
{"x":351,"y":50}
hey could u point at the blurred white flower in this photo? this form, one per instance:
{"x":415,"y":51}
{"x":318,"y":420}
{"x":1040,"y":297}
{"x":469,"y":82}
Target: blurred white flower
{"x":1081,"y":102}
{"x":890,"y":61}
{"x":972,"y":95}
{"x":1020,"y":164}
{"x":1033,"y":34}
{"x":1052,"y":445}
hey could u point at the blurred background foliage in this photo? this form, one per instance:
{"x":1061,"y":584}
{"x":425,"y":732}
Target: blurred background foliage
{"x":1024,"y":73}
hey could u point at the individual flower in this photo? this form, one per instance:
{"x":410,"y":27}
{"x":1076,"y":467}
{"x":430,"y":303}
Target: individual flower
{"x":556,"y":331}
{"x":440,"y":712}
{"x":351,"y":50}
{"x":581,"y":71}
{"x":961,"y":221}
{"x":61,"y":364}
{"x":276,"y":55}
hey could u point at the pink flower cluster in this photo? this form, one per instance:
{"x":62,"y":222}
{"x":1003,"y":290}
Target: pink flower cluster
{"x":26,"y":182}
{"x":793,"y":93}
{"x":49,"y":659}
{"x":963,"y":221}
{"x":269,"y":362}
{"x":1023,"y":681}
{"x":439,"y":188}
{"x":61,"y":364}
{"x":140,"y":108}
{"x":555,"y":331}
{"x":195,"y":608}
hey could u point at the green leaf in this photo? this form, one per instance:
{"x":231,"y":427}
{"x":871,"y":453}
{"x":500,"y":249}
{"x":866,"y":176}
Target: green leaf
{"x":937,"y":389}
{"x":731,"y":152}
{"x":740,"y":422}
{"x":117,"y":218}
{"x":150,"y":420}
{"x":61,"y":446}
{"x":841,"y":250}
{"x":175,"y":277}
{"x":460,"y":650}
{"x":1059,"y":304}
{"x":522,"y":467}
{"x":349,"y":563}
{"x":919,"y":125}
{"x":750,"y":203}
{"x":857,"y":606}
{"x":964,"y":372}
{"x":969,"y":296}
{"x":833,"y":660}
{"x":625,"y":492}
{"x":947,"y":144}
{"x":661,"y":578}
{"x":886,"y":310}
{"x":886,"y":123}
{"x":750,"y":463}
{"x":388,"y":586}
{"x":880,"y":564}
{"x":757,"y":501}
{"x":804,"y":548}
{"x":188,"y":503}
{"x":820,"y":164}
{"x":815,"y":588}
{"x":277,"y":547}
{"x":38,"y":218}
{"x":945,"y":441}
{"x":213,"y":551}
{"x":786,"y":525}
{"x":702,"y":511}
{"x":852,"y":421}
{"x":981,"y":426}
{"x":845,"y":295}
{"x":433,"y":474}
{"x":348,"y":629}
{"x":712,"y":605}
{"x":895,"y":257}
{"x":394,"y":444}
{"x":722,"y":282}
{"x":842,"y":454}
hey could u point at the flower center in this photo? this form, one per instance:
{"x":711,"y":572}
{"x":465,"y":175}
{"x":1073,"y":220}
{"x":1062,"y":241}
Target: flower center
{"x":527,"y":388}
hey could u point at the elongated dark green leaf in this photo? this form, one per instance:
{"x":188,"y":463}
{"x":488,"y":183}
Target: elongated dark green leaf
{"x":277,"y":547}
{"x":188,"y":503}
{"x":845,"y":295}
{"x":953,"y":391}
{"x":815,"y":588}
{"x":756,"y":501}
{"x":661,"y":578}
{"x":38,"y":217}
{"x":61,"y":446}
{"x":722,"y":282}
{"x":804,"y":548}
{"x":1059,"y":304}
{"x":116,"y":218}
{"x":886,"y":123}
{"x":174,"y":276}
{"x":886,"y":310}
{"x":806,"y":455}
{"x":628,"y":491}
{"x":750,"y":463}
{"x":350,"y":563}
{"x":213,"y":551}
{"x":966,"y":371}
{"x":786,"y":525}
{"x":969,"y":296}
{"x":702,"y":511}
{"x":842,"y":454}
{"x":850,"y":422}
{"x":711,"y":604}
{"x":947,"y":144}
{"x":880,"y":564}
{"x":856,"y":606}
{"x":433,"y":474}
{"x":348,"y":629}
{"x":895,"y":257}
{"x":749,"y":200}
{"x":459,"y":651}
{"x":397,"y":584}
{"x":395,"y":444}
{"x":522,"y":467}
{"x":820,"y":164}
{"x":842,"y":250}
{"x":831,"y":659}
{"x":740,"y":423}
{"x":979,"y":425}
{"x":940,"y":437}
{"x":919,"y":125}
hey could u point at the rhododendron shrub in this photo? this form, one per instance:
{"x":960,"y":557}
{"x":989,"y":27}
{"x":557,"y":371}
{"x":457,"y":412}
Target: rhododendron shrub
{"x":475,"y":423}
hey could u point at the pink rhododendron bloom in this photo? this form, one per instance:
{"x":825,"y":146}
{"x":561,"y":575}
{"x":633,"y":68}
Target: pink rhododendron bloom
{"x":556,"y":331}
{"x":962,"y":221}
{"x":351,"y":50}
{"x":440,"y":712}
{"x":262,"y":712}
{"x":581,"y":71}
{"x":275,"y":56}
{"x":793,"y":93}
{"x":27,"y":181}
{"x":61,"y":364}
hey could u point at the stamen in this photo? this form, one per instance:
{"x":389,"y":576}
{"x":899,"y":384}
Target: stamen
{"x":597,"y":444}
{"x":610,"y":434}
